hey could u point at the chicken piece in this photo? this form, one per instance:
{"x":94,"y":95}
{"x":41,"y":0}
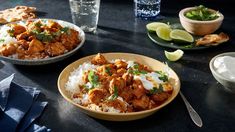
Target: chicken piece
{"x":35,"y":46}
{"x":53,"y":24}
{"x":70,"y":40}
{"x":106,"y":70}
{"x":24,"y":44}
{"x":55,"y":49}
{"x":118,"y":83}
{"x":120,"y":64}
{"x":22,"y":36}
{"x":97,"y":95}
{"x":21,"y":52}
{"x":18,"y":29}
{"x":152,"y":104}
{"x":142,"y":103}
{"x":33,"y":27}
{"x":159,"y":97}
{"x":142,"y":67}
{"x":128,"y":78}
{"x":127,"y":94}
{"x":117,"y":104}
{"x":85,"y":77}
{"x":121,"y":71}
{"x":8,"y":49}
{"x":212,"y":39}
{"x":99,"y":60}
{"x":167,"y":87}
{"x":139,"y":89}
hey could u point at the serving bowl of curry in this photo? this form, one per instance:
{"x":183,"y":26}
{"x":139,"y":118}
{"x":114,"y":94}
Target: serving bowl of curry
{"x":39,"y":41}
{"x":118,"y":86}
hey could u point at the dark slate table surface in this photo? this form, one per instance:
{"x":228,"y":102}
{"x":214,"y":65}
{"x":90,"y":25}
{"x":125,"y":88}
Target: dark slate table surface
{"x":120,"y":31}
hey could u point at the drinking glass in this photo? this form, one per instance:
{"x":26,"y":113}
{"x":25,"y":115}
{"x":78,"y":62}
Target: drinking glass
{"x":147,"y":9}
{"x":85,"y":14}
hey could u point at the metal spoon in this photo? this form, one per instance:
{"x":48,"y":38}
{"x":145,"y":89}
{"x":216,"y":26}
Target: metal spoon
{"x":193,"y":114}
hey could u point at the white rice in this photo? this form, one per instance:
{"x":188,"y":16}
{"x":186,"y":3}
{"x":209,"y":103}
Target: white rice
{"x":75,"y":79}
{"x":4,"y":35}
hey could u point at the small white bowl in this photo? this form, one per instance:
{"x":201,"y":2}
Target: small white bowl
{"x":199,"y":27}
{"x":229,"y":84}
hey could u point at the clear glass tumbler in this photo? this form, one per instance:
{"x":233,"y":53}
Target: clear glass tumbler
{"x":147,"y":9}
{"x":85,"y":14}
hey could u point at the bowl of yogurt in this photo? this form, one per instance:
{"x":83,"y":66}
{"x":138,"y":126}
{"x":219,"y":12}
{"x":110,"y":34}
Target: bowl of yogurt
{"x":222,"y":67}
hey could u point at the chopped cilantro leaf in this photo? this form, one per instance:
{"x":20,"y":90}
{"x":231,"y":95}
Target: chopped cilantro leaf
{"x":107,"y":70}
{"x":137,"y":72}
{"x":136,"y":66}
{"x":11,"y":32}
{"x":65,"y":30}
{"x":2,"y":40}
{"x":93,"y":78}
{"x":162,"y":76}
{"x":38,"y":24}
{"x":155,"y":90}
{"x":201,"y":13}
{"x":114,"y":95}
{"x":44,"y":37}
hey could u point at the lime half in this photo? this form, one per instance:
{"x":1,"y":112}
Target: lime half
{"x":181,"y":36}
{"x":174,"y":56}
{"x":164,"y":33}
{"x":152,"y":27}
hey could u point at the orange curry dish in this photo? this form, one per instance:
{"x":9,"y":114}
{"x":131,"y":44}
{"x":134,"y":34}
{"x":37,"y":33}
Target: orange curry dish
{"x":118,"y":86}
{"x":37,"y":39}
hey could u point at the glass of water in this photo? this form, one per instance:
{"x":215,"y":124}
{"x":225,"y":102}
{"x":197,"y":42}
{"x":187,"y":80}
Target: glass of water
{"x":147,"y":9}
{"x":85,"y":14}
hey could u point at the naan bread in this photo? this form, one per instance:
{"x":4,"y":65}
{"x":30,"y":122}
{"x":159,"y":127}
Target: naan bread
{"x":16,"y":14}
{"x":212,"y":39}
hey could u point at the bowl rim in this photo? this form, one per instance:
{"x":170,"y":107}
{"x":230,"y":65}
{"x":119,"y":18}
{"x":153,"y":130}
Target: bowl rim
{"x":212,"y":68}
{"x":110,"y":113}
{"x":183,"y":17}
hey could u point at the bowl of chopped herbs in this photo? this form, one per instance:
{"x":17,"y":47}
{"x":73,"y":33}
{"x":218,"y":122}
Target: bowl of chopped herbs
{"x":200,"y":20}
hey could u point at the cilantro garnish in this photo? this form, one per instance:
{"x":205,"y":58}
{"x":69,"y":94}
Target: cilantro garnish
{"x":38,"y":24}
{"x":114,"y":95}
{"x":65,"y":30}
{"x":155,"y":90}
{"x":93,"y":78}
{"x":162,"y":76}
{"x":107,"y":70}
{"x":44,"y":37}
{"x":2,"y":40}
{"x":137,"y":72}
{"x":136,"y":66}
{"x":11,"y":32}
{"x":202,"y":13}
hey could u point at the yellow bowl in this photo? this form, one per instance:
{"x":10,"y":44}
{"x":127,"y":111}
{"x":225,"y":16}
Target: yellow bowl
{"x":152,"y":63}
{"x":199,"y":27}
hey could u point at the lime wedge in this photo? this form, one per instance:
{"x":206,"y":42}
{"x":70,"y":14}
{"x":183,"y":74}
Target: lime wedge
{"x":174,"y":56}
{"x":164,"y":33}
{"x":181,"y":36}
{"x":152,"y":27}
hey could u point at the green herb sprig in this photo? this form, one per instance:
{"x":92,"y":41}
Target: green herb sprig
{"x":93,"y":79}
{"x":114,"y":95}
{"x":155,"y":90}
{"x":162,"y":76}
{"x":2,"y":40}
{"x":135,"y":70}
{"x":202,"y":13}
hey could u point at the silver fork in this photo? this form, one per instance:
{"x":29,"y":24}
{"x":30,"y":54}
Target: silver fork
{"x":193,"y":114}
